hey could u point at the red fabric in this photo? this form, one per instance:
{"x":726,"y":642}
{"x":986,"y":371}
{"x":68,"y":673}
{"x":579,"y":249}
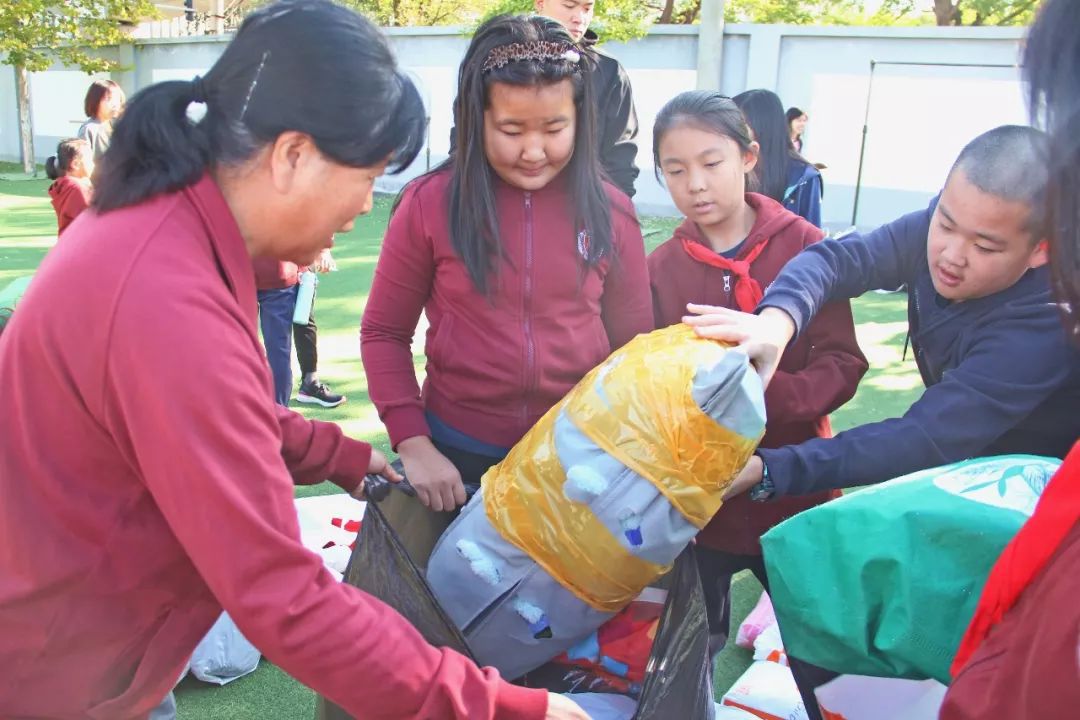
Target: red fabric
{"x":625,"y":640}
{"x":271,"y":274}
{"x":70,"y":196}
{"x":143,"y":494}
{"x":747,"y":290}
{"x":818,"y":373}
{"x":1057,"y":513}
{"x":496,"y":364}
{"x":1025,"y":666}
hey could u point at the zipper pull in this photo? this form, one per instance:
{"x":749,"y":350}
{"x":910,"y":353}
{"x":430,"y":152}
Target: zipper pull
{"x":528,"y":200}
{"x":727,"y":282}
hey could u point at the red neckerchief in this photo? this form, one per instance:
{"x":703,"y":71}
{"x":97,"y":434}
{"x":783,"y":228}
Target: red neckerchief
{"x":747,"y":290}
{"x":1023,"y":559}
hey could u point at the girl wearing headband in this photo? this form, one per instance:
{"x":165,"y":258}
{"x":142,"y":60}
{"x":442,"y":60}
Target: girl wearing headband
{"x":529,"y":266}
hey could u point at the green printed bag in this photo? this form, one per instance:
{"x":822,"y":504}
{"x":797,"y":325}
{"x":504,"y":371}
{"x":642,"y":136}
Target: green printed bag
{"x":884,"y":581}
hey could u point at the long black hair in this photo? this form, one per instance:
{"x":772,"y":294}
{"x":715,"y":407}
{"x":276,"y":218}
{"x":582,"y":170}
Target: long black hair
{"x":304,"y":65}
{"x":765,"y":113}
{"x":474,"y":223}
{"x":1052,"y":70}
{"x":705,"y":110}
{"x":58,"y":165}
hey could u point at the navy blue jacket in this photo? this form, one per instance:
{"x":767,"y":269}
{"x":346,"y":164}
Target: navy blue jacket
{"x":1000,"y":375}
{"x":802,"y":195}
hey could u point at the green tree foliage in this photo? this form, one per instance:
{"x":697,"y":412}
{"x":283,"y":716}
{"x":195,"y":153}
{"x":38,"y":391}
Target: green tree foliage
{"x":34,"y":33}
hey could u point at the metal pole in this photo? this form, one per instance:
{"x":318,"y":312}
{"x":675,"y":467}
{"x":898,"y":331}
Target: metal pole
{"x":862,"y":145}
{"x":866,"y":117}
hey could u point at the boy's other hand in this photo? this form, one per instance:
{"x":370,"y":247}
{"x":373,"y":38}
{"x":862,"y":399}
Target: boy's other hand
{"x":763,"y":336}
{"x":747,"y":478}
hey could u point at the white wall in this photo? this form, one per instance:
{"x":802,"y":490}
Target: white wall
{"x":920,"y":116}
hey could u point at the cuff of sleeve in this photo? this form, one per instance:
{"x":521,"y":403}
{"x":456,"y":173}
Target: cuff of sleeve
{"x":403,"y":423}
{"x":352,"y":464}
{"x":518,"y":703}
{"x":789,"y":305}
{"x":779,"y":463}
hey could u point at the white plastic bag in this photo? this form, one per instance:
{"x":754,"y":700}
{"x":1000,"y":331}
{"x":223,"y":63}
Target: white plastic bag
{"x":761,"y":617}
{"x":224,"y":654}
{"x":858,"y":697}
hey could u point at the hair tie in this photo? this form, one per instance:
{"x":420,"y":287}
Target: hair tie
{"x":198,"y":90}
{"x":538,"y":51}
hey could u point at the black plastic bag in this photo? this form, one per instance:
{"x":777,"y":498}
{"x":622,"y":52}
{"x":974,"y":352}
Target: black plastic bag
{"x":389,"y":562}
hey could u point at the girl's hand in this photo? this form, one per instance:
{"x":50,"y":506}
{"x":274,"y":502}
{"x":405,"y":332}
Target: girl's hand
{"x":436,"y":481}
{"x":763,"y":336}
{"x":377,"y":466}
{"x":562,"y":708}
{"x":747,"y":478}
{"x":325,"y":263}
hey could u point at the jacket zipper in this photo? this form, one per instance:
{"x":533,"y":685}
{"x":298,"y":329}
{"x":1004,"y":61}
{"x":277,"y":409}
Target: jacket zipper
{"x":530,"y":343}
{"x":727,"y":283}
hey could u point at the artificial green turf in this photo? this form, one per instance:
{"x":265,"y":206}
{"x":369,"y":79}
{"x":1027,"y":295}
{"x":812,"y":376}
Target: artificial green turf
{"x":28,"y":230}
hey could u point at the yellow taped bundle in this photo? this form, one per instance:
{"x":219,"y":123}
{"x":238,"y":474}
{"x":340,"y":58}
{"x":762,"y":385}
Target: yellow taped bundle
{"x":638,"y":408}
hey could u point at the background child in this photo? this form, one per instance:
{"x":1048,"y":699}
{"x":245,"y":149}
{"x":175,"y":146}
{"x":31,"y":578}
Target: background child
{"x":732,"y":244}
{"x":103,"y":104}
{"x":70,"y":170}
{"x":783,"y":174}
{"x":530,"y":268}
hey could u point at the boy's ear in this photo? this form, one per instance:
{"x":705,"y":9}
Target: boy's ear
{"x":1040,"y":255}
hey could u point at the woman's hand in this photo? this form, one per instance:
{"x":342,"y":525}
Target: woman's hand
{"x":378,"y":465}
{"x":436,"y":481}
{"x":763,"y":336}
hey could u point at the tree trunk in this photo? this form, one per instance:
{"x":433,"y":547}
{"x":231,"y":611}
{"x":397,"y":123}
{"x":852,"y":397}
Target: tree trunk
{"x":26,"y":127}
{"x":665,"y":16}
{"x":946,"y":13}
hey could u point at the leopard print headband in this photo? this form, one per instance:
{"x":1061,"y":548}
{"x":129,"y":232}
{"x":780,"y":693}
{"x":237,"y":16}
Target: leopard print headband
{"x":539,"y":50}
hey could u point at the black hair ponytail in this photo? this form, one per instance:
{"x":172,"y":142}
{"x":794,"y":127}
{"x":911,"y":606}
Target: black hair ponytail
{"x":155,"y":148}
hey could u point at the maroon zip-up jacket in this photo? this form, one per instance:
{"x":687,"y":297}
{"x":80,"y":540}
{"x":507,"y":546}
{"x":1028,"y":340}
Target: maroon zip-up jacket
{"x":496,"y":364}
{"x":818,"y":373}
{"x":145,"y":485}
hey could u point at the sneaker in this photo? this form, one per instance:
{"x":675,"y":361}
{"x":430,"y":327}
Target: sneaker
{"x":318,"y":393}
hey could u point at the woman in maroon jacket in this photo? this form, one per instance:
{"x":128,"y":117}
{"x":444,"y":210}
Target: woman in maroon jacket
{"x":146,"y":473}
{"x":530,"y":267}
{"x":1020,"y":657}
{"x":732,"y":244}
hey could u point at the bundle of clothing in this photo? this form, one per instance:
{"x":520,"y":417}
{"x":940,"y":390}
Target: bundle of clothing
{"x":598,"y":499}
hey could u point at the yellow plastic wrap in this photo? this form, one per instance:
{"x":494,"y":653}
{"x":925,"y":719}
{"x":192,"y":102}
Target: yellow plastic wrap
{"x":637,"y":407}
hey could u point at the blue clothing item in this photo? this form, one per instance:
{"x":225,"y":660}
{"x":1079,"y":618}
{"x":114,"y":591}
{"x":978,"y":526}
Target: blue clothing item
{"x":443,"y":433}
{"x":804,"y":189}
{"x":1000,"y":374}
{"x":275,"y":317}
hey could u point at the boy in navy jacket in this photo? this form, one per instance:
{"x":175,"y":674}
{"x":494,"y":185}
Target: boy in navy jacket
{"x":1000,"y":374}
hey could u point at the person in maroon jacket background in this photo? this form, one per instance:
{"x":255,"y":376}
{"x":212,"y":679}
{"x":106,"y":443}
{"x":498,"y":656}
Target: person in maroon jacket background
{"x":530,"y":268}
{"x":731,"y":245}
{"x":147,"y":476}
{"x":1020,"y":657}
{"x":70,"y":170}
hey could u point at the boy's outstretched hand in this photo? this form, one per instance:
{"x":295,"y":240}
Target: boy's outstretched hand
{"x":763,"y":336}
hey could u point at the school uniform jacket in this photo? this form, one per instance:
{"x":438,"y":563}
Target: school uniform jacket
{"x":818,"y":374}
{"x":145,"y":489}
{"x":70,"y":197}
{"x":496,"y":364}
{"x":1000,"y":376}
